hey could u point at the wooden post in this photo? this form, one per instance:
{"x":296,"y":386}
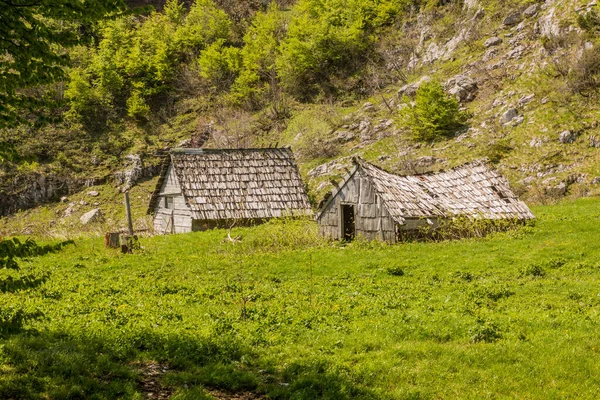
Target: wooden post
{"x":128,"y":211}
{"x":111,"y":240}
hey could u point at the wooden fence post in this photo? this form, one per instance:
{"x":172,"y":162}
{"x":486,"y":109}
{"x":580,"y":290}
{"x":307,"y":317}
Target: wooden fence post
{"x":128,"y":211}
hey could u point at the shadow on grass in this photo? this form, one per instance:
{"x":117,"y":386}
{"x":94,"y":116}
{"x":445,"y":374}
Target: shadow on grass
{"x":60,"y":366}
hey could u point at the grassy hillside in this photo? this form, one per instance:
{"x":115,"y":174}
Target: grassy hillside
{"x":283,"y":314}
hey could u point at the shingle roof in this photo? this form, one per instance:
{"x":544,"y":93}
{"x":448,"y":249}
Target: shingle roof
{"x":472,"y":189}
{"x":240,"y":183}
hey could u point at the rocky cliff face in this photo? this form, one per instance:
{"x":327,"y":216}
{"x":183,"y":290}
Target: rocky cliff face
{"x":521,"y":71}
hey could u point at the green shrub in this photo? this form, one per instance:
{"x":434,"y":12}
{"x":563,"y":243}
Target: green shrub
{"x":434,"y":115}
{"x":395,"y":271}
{"x":461,"y":226}
{"x":533,"y":270}
{"x":584,"y":75}
{"x":485,"y":332}
{"x":589,"y":21}
{"x":497,"y":151}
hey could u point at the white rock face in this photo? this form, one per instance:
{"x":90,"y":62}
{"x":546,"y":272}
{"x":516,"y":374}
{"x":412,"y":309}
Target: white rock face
{"x":471,"y":4}
{"x":549,"y":25}
{"x":91,"y":216}
{"x":93,"y":193}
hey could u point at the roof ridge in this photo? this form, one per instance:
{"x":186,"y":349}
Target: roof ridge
{"x":193,"y":150}
{"x":484,"y":161}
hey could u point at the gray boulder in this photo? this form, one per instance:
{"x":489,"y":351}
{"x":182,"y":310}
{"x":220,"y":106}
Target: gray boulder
{"x":91,"y":216}
{"x":345,"y":136}
{"x":558,"y":190}
{"x":93,"y":193}
{"x":512,"y":19}
{"x":463,"y":87}
{"x":493,"y":41}
{"x":524,"y":100}
{"x":531,"y":10}
{"x":567,"y":137}
{"x":411,"y":89}
{"x":509,"y":116}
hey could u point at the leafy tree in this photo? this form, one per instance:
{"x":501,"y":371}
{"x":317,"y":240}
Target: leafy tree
{"x":219,"y":65}
{"x":328,"y":41}
{"x":33,"y":39}
{"x":137,"y":59}
{"x":204,"y":24}
{"x":258,"y":74}
{"x":434,"y":115}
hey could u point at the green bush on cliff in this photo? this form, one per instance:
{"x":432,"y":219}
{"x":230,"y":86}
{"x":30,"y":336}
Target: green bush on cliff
{"x":434,"y":115}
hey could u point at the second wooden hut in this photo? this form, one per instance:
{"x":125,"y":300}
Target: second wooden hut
{"x":377,"y":204}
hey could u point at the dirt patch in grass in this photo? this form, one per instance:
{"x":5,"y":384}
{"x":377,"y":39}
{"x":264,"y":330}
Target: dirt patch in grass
{"x":151,"y":381}
{"x":222,"y":395}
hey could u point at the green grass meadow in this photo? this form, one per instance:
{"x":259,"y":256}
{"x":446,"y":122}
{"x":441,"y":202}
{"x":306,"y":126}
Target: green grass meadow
{"x":285,"y":315}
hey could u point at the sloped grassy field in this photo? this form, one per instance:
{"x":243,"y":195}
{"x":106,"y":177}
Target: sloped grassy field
{"x":282,"y":314}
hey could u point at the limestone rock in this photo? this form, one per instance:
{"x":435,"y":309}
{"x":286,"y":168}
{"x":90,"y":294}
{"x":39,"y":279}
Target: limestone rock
{"x":411,"y":89}
{"x":515,"y":53}
{"x":594,"y":141}
{"x":524,"y":100}
{"x":463,"y":87}
{"x":329,"y":168}
{"x":548,"y":25}
{"x":64,"y":199}
{"x":70,"y":210}
{"x":536,"y":142}
{"x":517,"y":121}
{"x":425,"y":161}
{"x":557,"y":190}
{"x":471,"y":4}
{"x":512,"y":19}
{"x":130,"y":176}
{"x":93,"y":193}
{"x":493,"y":41}
{"x":497,"y":102}
{"x":345,"y":136}
{"x":91,"y":216}
{"x":596,"y":181}
{"x":509,"y":116}
{"x":531,"y":10}
{"x":567,"y":137}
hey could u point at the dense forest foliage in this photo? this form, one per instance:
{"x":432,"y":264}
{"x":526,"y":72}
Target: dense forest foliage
{"x":121,"y":79}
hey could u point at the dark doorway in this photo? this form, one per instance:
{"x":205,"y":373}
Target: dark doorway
{"x":348,"y":226}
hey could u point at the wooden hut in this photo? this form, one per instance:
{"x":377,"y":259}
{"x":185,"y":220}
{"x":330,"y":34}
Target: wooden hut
{"x":377,"y":204}
{"x":201,"y":189}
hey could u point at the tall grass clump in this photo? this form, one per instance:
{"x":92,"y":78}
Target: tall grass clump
{"x":464,"y":227}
